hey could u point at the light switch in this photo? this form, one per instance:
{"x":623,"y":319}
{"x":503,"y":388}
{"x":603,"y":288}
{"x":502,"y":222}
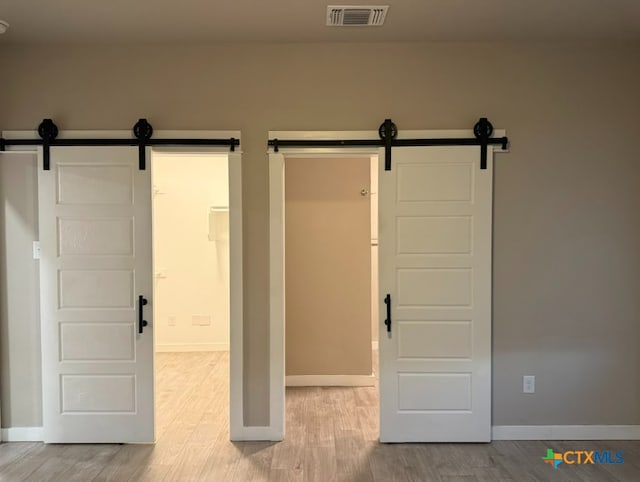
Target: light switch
{"x":36,"y":250}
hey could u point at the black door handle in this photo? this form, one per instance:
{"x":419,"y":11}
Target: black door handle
{"x":387,"y":301}
{"x":141,"y":321}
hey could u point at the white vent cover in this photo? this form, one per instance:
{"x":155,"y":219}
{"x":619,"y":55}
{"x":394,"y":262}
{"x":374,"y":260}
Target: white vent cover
{"x":356,"y":15}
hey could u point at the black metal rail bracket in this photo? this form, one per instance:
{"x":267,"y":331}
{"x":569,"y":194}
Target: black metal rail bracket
{"x":483,"y":131}
{"x":142,"y":132}
{"x":48,"y":132}
{"x":388,"y":133}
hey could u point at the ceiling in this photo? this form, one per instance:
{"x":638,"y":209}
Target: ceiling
{"x":170,"y":21}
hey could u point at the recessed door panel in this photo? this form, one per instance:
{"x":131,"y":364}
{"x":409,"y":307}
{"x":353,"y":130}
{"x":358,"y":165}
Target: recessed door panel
{"x":98,"y":393}
{"x":434,"y":339}
{"x":87,"y":236}
{"x":96,"y":289}
{"x":95,"y":183}
{"x":97,"y":341}
{"x":434,"y":181}
{"x":434,"y":235}
{"x":434,"y":287}
{"x":434,"y":391}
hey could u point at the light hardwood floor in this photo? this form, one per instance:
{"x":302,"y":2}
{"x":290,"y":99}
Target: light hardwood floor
{"x":331,"y":435}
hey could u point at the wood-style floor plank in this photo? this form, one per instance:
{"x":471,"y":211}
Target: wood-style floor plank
{"x":10,"y":453}
{"x":332,"y":434}
{"x":87,"y":461}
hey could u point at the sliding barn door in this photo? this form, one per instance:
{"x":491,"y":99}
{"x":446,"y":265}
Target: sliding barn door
{"x":95,"y":235}
{"x":435,"y":273}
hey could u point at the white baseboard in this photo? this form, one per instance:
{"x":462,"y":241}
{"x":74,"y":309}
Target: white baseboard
{"x":35,"y":434}
{"x":22,"y":434}
{"x":269,"y":434}
{"x":565,"y":432}
{"x":330,"y":380}
{"x":374,"y":345}
{"x":178,"y":347}
{"x":499,"y":432}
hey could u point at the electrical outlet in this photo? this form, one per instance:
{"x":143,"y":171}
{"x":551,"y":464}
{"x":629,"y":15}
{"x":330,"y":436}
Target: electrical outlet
{"x":172,"y":320}
{"x":529,"y":384}
{"x":201,"y":320}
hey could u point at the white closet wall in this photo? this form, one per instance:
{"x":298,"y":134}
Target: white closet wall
{"x":191,"y":251}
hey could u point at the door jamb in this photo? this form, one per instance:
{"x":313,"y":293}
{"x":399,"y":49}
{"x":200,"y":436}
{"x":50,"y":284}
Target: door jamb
{"x":276,"y":254}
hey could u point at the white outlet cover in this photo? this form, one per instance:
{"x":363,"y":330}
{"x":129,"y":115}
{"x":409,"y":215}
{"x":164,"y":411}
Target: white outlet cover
{"x":201,"y":320}
{"x":529,"y":384}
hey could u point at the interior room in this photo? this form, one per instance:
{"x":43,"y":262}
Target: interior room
{"x":328,"y":269}
{"x":559,"y":228}
{"x":191,"y":290}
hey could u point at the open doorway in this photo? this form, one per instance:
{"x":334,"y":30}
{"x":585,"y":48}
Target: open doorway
{"x":434,"y":281}
{"x":191,"y":293}
{"x":330,"y":208}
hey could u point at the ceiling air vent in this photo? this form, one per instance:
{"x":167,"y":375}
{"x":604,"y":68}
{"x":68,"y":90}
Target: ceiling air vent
{"x":356,"y":15}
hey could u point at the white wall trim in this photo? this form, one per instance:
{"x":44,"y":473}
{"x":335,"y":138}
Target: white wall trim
{"x":277,"y":380}
{"x":499,"y":432}
{"x":565,"y":432}
{"x":125,"y":134}
{"x":258,"y":434}
{"x":375,"y":344}
{"x":276,"y":294}
{"x":190,"y":347}
{"x":22,"y":434}
{"x":236,"y":287}
{"x":402,"y":134}
{"x":330,"y":380}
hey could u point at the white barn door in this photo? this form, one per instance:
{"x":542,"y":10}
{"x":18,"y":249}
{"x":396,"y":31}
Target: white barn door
{"x":95,"y":235}
{"x":435,"y":266}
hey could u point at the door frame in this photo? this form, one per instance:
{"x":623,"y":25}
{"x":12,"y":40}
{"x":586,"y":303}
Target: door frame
{"x":277,"y":235}
{"x":236,"y":245}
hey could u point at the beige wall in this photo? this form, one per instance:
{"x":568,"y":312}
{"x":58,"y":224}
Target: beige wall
{"x":328,"y":266}
{"x":566,"y":227}
{"x":19,"y":304}
{"x":192,"y":270}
